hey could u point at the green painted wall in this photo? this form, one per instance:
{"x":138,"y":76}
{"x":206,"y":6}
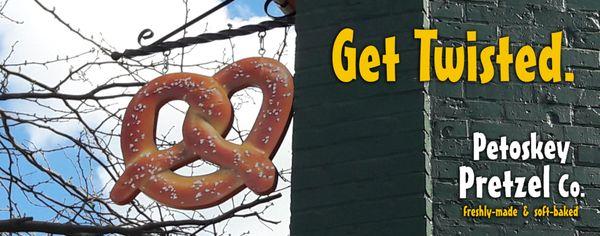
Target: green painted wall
{"x":382,"y":159}
{"x":359,"y":167}
{"x":561,"y":112}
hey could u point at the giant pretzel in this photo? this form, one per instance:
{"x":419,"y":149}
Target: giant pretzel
{"x":207,"y":121}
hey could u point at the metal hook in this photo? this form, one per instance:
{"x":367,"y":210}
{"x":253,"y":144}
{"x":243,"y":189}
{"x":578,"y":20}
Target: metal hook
{"x":144,"y":35}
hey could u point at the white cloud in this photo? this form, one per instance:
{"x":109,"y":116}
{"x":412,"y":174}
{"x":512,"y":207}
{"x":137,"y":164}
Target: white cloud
{"x":117,"y":23}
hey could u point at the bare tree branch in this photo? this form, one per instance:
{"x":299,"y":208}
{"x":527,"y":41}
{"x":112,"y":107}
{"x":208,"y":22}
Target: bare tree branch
{"x":80,"y":114}
{"x":27,"y":224}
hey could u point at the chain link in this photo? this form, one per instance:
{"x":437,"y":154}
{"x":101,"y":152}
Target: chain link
{"x":165,"y":68}
{"x":261,"y":41}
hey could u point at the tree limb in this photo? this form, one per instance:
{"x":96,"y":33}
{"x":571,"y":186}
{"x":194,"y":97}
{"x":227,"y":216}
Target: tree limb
{"x":27,"y":224}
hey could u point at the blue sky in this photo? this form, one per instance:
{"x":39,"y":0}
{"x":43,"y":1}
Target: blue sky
{"x":247,"y":8}
{"x":243,"y":9}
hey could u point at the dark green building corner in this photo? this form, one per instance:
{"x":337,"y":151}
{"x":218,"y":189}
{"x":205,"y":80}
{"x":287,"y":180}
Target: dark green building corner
{"x":382,"y":158}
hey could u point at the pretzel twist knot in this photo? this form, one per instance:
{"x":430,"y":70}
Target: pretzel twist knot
{"x":207,"y":121}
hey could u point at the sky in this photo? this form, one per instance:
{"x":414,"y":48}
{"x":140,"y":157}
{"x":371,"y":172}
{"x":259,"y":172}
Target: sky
{"x":118,"y":22}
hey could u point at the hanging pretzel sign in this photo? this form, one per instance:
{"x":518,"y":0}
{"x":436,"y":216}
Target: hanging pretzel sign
{"x":207,"y":121}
